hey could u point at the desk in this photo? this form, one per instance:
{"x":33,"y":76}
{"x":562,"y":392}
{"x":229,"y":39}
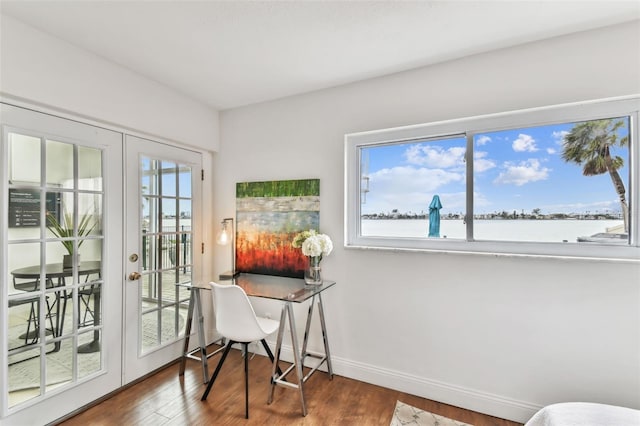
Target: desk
{"x":195,"y":304}
{"x":289,"y":291}
{"x":55,"y":276}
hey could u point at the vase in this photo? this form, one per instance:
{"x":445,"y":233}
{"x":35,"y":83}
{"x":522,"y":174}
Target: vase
{"x":67,"y":261}
{"x":312,"y":274}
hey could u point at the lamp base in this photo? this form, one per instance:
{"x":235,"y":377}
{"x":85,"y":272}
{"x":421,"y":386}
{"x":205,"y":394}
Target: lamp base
{"x":229,"y":275}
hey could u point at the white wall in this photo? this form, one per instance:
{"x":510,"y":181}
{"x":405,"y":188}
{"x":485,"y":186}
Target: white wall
{"x":47,"y":71}
{"x":497,"y":334}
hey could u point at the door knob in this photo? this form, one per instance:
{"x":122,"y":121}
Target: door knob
{"x":134,"y":276}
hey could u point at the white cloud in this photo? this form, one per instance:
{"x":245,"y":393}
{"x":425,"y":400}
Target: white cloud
{"x":406,"y":188}
{"x":522,"y":173}
{"x":482,"y":164}
{"x":480,"y":200}
{"x":559,"y":136}
{"x":407,"y":179}
{"x":436,"y":156}
{"x":524,"y":143}
{"x":482,"y":140}
{"x":551,"y":151}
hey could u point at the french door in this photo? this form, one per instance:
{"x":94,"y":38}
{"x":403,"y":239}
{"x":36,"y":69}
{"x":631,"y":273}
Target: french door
{"x":94,"y":252}
{"x":163,"y":242}
{"x":61,"y":265}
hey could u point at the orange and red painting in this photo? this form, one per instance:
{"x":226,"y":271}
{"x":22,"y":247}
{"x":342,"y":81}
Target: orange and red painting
{"x":268,"y":217}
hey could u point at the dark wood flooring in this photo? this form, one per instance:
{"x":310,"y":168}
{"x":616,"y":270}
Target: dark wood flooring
{"x":165,"y":398}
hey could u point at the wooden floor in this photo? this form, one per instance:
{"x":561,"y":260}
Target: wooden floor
{"x":168,"y":399}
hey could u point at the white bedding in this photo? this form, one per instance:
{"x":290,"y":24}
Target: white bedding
{"x":585,"y":414}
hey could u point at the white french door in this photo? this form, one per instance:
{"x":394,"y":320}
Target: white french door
{"x":60,"y":199}
{"x":163,"y":240}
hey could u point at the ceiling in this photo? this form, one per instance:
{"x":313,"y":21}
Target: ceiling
{"x":228,"y":54}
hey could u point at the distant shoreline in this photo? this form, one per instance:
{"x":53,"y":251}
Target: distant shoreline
{"x":555,"y":216}
{"x":568,"y":230}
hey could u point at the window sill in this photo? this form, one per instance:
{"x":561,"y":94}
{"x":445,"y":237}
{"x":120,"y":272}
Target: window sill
{"x":570,"y":251}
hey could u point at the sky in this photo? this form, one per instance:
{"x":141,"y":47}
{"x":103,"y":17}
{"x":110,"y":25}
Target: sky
{"x":169,"y":184}
{"x":515,"y":170}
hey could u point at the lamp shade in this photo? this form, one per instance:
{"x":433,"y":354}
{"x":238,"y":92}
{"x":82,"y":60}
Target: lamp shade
{"x":226,"y":236}
{"x":223,"y":235}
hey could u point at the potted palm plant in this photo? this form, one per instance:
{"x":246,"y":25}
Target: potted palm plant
{"x":64,"y":229}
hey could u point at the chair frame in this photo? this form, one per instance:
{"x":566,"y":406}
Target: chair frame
{"x":245,"y":348}
{"x":243,"y":342}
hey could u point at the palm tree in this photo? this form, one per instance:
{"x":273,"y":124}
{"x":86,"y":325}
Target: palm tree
{"x":589,"y":144}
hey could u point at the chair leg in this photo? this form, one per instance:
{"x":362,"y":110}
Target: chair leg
{"x":215,"y":373}
{"x":83,"y":304}
{"x":48,"y":315}
{"x":33,"y":319}
{"x":246,"y":380}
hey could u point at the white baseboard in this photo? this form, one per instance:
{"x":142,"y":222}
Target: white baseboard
{"x":459,"y":396}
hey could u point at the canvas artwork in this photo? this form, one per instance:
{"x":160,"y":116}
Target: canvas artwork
{"x":268,"y":217}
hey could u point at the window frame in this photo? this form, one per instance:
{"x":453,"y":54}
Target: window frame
{"x":470,"y":126}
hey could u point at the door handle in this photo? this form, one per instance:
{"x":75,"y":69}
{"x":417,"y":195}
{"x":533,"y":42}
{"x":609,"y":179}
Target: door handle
{"x":134,"y":276}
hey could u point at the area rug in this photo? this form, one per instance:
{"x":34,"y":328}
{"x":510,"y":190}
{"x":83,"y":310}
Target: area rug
{"x":405,"y":414}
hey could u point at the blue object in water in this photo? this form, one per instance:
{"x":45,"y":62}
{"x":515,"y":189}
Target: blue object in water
{"x":434,"y":217}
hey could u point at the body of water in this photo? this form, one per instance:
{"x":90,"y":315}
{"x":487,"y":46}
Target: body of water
{"x":566,"y":230}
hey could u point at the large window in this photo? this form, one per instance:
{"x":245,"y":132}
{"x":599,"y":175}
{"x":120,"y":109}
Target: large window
{"x":554,"y":181}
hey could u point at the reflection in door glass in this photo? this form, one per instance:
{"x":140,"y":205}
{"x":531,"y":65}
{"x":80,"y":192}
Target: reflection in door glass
{"x":60,"y":164}
{"x":89,"y":167}
{"x":24,"y":149}
{"x":55,"y":250}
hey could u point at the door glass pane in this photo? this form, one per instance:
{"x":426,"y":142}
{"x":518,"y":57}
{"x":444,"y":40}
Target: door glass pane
{"x":169,"y":177}
{"x":60,"y":164}
{"x":170,"y":328}
{"x":185,"y":215}
{"x":149,"y":178}
{"x":24,"y":376}
{"x":89,"y":302}
{"x":89,"y":361}
{"x":185,"y":182}
{"x":24,"y":212}
{"x":168,"y":214}
{"x":60,"y":306}
{"x":184,"y":256}
{"x":24,"y":150}
{"x":169,"y":279}
{"x":89,"y":169}
{"x":148,"y":291}
{"x":59,"y":365}
{"x":166,"y":250}
{"x":89,"y":214}
{"x":90,"y":253}
{"x":150,"y":332}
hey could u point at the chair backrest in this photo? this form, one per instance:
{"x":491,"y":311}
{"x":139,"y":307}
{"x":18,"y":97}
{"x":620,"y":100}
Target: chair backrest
{"x":235,"y":318}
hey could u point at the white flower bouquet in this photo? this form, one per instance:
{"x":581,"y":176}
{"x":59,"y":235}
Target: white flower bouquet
{"x":313,"y":244}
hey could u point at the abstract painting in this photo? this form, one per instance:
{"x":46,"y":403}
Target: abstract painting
{"x":268,"y":217}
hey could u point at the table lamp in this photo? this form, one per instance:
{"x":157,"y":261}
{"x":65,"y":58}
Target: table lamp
{"x":225,"y":236}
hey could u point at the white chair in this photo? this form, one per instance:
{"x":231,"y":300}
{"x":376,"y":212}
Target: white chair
{"x":237,"y":322}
